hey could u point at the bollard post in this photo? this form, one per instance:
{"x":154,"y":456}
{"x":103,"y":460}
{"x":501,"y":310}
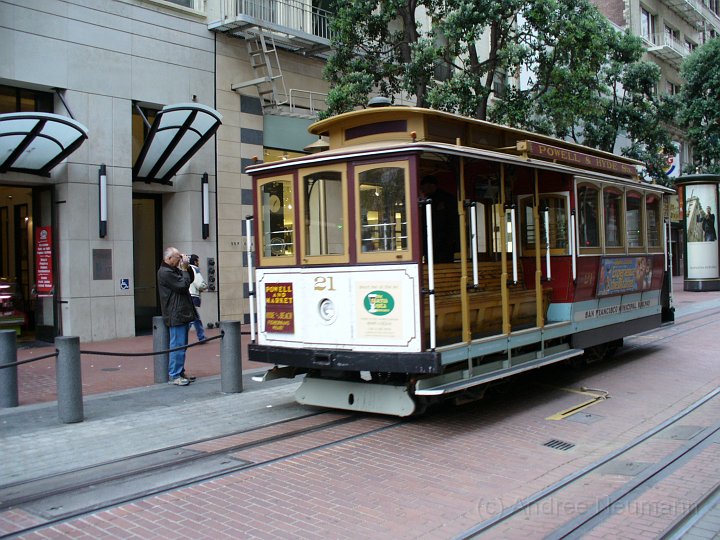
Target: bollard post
{"x":8,"y":375}
{"x":231,"y":357}
{"x":161,"y":342}
{"x":69,"y":379}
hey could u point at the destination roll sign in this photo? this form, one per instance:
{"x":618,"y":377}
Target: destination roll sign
{"x":571,"y":157}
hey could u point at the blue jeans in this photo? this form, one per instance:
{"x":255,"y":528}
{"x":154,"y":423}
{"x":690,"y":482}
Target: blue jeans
{"x":197,"y":323}
{"x":198,"y":326}
{"x":178,"y":338}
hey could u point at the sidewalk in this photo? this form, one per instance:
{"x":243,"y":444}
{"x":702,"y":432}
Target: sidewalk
{"x":100,"y":373}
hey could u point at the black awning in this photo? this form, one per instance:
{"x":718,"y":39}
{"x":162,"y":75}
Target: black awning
{"x":176,"y":134}
{"x":36,"y":142}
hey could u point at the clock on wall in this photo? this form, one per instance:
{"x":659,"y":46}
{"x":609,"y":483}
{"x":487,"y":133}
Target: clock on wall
{"x":274,"y":204}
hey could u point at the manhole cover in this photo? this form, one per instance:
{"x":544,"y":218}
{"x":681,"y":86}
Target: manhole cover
{"x":584,"y":418}
{"x":681,"y":433}
{"x":624,"y":468}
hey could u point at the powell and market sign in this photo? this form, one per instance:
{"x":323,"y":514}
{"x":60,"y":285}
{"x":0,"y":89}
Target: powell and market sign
{"x":571,"y":157}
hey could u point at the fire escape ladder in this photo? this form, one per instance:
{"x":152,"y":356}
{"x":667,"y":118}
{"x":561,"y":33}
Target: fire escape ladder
{"x":265,"y":63}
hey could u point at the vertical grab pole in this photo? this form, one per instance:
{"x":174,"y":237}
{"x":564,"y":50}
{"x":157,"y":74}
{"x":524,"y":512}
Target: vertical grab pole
{"x":548,"y":274}
{"x":504,"y":293}
{"x":251,"y":276}
{"x":431,"y":270}
{"x":474,"y":241}
{"x":514,"y":244}
{"x":668,"y":255}
{"x":573,"y":245}
{"x":540,"y":306}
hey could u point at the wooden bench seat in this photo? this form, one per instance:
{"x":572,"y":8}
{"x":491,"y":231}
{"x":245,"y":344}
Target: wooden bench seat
{"x":485,"y":301}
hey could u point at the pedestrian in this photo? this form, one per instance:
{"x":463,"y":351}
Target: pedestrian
{"x":197,"y":286}
{"x":177,"y":309}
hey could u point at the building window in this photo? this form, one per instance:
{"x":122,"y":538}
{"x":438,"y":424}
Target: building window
{"x":714,"y":6}
{"x":671,"y":88}
{"x":22,"y":100}
{"x":647,"y":25}
{"x":654,"y":220}
{"x":324,"y":232}
{"x":612,"y":203}
{"x":671,"y":35}
{"x":587,"y":204}
{"x":633,"y":219}
{"x":690,"y":46}
{"x":195,"y":5}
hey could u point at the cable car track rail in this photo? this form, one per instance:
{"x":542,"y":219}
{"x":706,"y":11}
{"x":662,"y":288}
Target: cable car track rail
{"x":594,"y":516}
{"x":211,"y":464}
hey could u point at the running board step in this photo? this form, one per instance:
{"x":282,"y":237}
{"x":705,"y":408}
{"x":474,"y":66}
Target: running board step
{"x":464,"y":384}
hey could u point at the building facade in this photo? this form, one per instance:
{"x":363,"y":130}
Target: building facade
{"x":163,"y":103}
{"x":670,"y":30}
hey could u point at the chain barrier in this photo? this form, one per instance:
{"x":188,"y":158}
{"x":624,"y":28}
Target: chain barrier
{"x":108,"y":353}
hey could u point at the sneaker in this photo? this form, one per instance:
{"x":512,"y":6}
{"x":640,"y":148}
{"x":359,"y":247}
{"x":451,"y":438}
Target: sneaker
{"x":190,"y":378}
{"x":180,"y":381}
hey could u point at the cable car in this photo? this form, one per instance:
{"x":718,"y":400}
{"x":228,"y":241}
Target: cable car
{"x":424,"y":256}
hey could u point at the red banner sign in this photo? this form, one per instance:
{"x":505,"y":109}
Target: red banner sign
{"x":43,"y":260}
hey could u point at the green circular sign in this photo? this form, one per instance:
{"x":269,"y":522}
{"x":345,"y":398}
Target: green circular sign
{"x":379,"y":303}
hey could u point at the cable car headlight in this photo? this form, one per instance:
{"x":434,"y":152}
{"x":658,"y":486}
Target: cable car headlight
{"x":327,"y":310}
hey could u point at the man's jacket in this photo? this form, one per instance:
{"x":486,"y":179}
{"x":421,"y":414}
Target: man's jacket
{"x":175,"y":302}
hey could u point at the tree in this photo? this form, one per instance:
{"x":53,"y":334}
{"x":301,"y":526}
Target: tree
{"x":699,"y":110}
{"x":581,"y":78}
{"x":612,"y":99}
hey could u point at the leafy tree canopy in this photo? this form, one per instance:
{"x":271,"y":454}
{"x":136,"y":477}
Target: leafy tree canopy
{"x":700,"y":106}
{"x":581,"y":78}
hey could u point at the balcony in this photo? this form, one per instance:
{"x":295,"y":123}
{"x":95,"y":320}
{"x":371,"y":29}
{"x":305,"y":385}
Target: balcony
{"x":668,"y":48}
{"x":688,"y":10}
{"x":294,"y":24}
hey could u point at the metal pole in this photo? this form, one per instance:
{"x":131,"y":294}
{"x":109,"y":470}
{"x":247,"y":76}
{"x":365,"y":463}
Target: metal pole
{"x":8,"y":375}
{"x":69,"y":379}
{"x":161,"y":342}
{"x":231,"y":357}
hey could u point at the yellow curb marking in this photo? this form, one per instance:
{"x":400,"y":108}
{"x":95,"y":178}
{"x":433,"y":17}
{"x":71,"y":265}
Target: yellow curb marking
{"x":597,"y":397}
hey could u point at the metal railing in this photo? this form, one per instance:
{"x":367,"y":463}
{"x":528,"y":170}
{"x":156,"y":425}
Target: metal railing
{"x":307,"y":101}
{"x":69,"y":373}
{"x":295,"y":15}
{"x":665,"y":40}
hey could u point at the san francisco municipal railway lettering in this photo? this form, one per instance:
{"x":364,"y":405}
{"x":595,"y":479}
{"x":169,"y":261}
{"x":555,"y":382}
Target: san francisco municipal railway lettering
{"x":614,"y":310}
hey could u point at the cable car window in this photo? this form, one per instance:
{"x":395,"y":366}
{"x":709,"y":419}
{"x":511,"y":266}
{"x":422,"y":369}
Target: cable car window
{"x":557,"y":205}
{"x":324,"y":213}
{"x":612,"y":207}
{"x":654,"y":220}
{"x":278,"y":218}
{"x":382,"y":202}
{"x":633,"y":219}
{"x":587,"y":205}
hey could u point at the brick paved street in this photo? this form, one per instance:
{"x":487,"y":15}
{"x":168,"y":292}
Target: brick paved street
{"x":431,"y":477}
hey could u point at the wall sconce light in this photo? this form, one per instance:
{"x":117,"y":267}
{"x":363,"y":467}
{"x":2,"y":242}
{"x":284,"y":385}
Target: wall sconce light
{"x":205,"y":207}
{"x":102,"y":190}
